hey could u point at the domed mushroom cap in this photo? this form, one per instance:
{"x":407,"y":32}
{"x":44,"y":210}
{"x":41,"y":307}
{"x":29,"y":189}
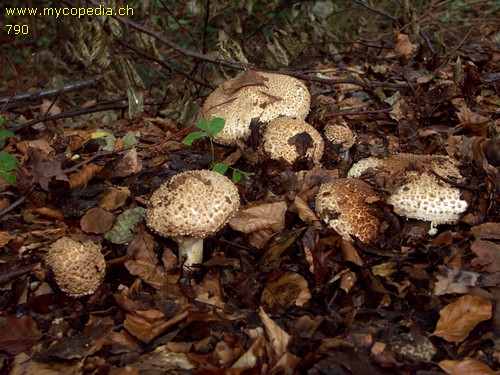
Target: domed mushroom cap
{"x":426,"y":197}
{"x":340,"y":135}
{"x":418,"y":185}
{"x":192,"y":204}
{"x":280,"y":140}
{"x":344,"y":205}
{"x":255,"y":94}
{"x":78,"y":268}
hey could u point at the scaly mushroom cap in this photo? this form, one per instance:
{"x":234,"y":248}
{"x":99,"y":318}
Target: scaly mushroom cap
{"x":418,"y":185}
{"x":255,"y":94}
{"x":192,"y":204}
{"x":78,"y":268}
{"x":279,"y":140}
{"x":343,"y":205}
{"x":340,"y":135}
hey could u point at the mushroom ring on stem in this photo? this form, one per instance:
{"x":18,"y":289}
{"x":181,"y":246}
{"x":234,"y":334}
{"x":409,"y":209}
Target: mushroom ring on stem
{"x":191,"y":206}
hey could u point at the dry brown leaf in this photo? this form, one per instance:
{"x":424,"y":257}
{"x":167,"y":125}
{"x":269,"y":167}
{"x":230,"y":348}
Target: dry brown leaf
{"x":49,"y":213}
{"x":458,"y":319}
{"x":472,"y":122}
{"x":77,"y":138}
{"x":149,"y":324}
{"x":97,"y":220}
{"x":144,"y":260}
{"x":349,"y":252}
{"x":467,"y":366}
{"x":287,"y":290}
{"x":277,"y":337}
{"x":403,"y":47}
{"x":264,"y":216}
{"x":163,"y":360}
{"x":248,"y":78}
{"x":306,"y":214}
{"x":250,"y":358}
{"x":39,"y":144}
{"x":84,"y":175}
{"x":18,"y":334}
{"x":451,"y":279}
{"x":49,"y":108}
{"x":114,"y":197}
{"x":487,"y":230}
{"x":488,"y":255}
{"x":347,"y":281}
{"x":128,"y":164}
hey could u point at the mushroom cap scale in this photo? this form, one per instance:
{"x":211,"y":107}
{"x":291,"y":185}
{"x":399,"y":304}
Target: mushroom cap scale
{"x":192,"y":204}
{"x":340,"y":135}
{"x":342,"y":204}
{"x":278,"y":140}
{"x":263,"y":95}
{"x":78,"y":268}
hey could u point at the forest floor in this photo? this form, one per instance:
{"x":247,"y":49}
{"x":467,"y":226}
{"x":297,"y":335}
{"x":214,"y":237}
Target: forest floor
{"x":279,"y":292}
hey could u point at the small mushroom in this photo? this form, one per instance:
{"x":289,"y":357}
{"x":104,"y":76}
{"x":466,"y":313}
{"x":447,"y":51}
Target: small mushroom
{"x":341,"y":136}
{"x":420,"y":186}
{"x":191,"y":206}
{"x":255,"y":94}
{"x":281,"y":139}
{"x":344,"y":204}
{"x":78,"y":268}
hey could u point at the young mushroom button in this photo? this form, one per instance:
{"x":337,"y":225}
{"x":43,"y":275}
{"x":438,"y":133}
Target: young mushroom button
{"x":78,"y":268}
{"x":191,"y":206}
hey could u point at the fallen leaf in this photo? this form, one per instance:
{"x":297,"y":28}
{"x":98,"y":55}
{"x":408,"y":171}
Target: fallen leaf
{"x":114,"y":197}
{"x":97,"y":220}
{"x":84,"y":175}
{"x":403,"y":47}
{"x":488,"y":255}
{"x":306,"y":214}
{"x":458,"y":319}
{"x":450,"y":279}
{"x":264,"y":216}
{"x":248,"y":78}
{"x":467,"y":366}
{"x":18,"y":334}
{"x":278,"y":338}
{"x":288,"y":289}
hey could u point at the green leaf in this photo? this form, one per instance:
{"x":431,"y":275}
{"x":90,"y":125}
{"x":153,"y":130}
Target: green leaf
{"x":202,"y":124}
{"x":1,"y":120}
{"x":220,"y":168}
{"x":7,"y":161}
{"x":247,"y":174}
{"x":5,"y":133}
{"x":216,"y":125}
{"x":236,"y":176}
{"x":191,"y":137}
{"x":9,"y":177}
{"x":129,"y":139}
{"x":121,"y":232}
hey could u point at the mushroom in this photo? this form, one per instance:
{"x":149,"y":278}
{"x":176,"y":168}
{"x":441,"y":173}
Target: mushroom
{"x":281,"y":140}
{"x":191,"y":206}
{"x":341,"y":136}
{"x":420,"y":186}
{"x":344,"y":205}
{"x":255,"y":94}
{"x":78,"y":268}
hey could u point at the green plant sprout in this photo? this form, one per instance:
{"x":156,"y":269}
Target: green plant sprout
{"x":209,"y":128}
{"x":8,"y":163}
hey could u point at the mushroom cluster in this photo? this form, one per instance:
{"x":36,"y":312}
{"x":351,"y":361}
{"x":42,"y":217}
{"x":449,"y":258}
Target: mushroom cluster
{"x":420,"y":186}
{"x":190,"y":206}
{"x":78,"y":268}
{"x":255,"y":95}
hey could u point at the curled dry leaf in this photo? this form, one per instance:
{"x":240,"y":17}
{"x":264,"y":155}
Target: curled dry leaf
{"x":403,"y":46}
{"x":451,"y":279}
{"x":84,"y":175}
{"x":277,"y":337}
{"x":264,"y":216}
{"x":287,"y":290}
{"x":458,"y":319}
{"x":468,"y":366}
{"x":149,"y":324}
{"x":97,"y":220}
{"x":306,"y":214}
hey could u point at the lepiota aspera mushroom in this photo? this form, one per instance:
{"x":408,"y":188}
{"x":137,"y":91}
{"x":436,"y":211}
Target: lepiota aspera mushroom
{"x":78,"y":268}
{"x":191,"y":206}
{"x":280,"y":140}
{"x":255,"y":94}
{"x":343,"y":204}
{"x":420,"y":186}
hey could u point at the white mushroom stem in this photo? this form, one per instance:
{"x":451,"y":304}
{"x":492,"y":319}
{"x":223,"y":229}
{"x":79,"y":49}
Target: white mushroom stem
{"x":190,"y":250}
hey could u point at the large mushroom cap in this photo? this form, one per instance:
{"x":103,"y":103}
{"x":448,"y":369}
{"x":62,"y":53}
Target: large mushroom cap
{"x":78,"y":268}
{"x":420,"y":186}
{"x":281,"y":139}
{"x":192,"y":204}
{"x":344,"y":205}
{"x":255,"y":94}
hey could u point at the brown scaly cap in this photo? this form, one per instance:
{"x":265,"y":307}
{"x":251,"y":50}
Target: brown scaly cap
{"x":78,"y":268}
{"x":255,"y":94}
{"x":278,"y":140}
{"x":192,"y":204}
{"x":342,"y":204}
{"x":340,"y":135}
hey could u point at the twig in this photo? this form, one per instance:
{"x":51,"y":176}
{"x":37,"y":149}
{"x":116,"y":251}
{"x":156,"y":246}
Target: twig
{"x":40,"y":94}
{"x":18,"y":74}
{"x":17,"y":202}
{"x":375,"y":10}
